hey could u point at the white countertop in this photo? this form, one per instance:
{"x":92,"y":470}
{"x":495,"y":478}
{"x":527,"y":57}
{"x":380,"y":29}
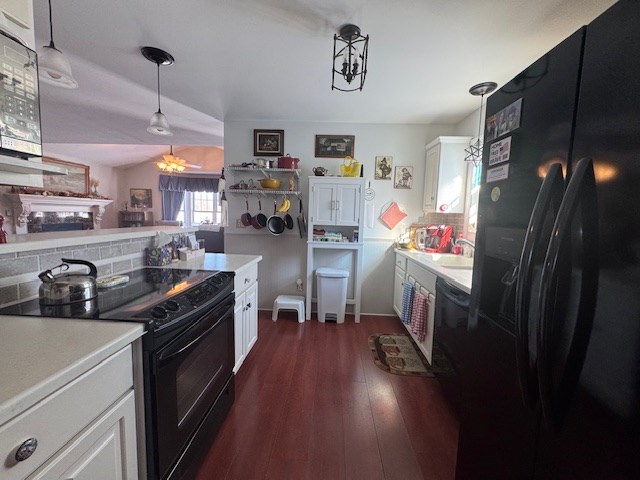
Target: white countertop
{"x":38,"y":241}
{"x":227,"y":262}
{"x":40,"y":355}
{"x":458,"y":277}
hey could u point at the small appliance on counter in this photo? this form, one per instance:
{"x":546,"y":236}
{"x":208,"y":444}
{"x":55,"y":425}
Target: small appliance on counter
{"x":434,"y":238}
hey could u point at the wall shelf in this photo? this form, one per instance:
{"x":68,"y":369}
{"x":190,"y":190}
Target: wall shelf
{"x":264,"y":171}
{"x":264,"y":191}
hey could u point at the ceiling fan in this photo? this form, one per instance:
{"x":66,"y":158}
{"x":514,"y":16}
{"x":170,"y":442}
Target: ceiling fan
{"x":173,"y":164}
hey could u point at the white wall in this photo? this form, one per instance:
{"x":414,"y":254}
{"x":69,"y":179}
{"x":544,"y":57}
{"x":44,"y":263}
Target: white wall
{"x":285,"y":255}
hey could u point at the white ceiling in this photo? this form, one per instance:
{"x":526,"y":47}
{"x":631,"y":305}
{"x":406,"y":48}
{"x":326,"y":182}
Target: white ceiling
{"x":271,"y":60}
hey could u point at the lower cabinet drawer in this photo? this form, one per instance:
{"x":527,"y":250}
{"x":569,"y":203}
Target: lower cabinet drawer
{"x":423,"y":276}
{"x":245,"y":278}
{"x":59,"y":417}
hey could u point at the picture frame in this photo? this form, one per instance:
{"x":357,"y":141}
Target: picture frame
{"x":384,"y":167}
{"x":334,"y":146}
{"x":268,"y":143}
{"x":76,"y":181}
{"x":141,"y":197}
{"x":403,"y":177}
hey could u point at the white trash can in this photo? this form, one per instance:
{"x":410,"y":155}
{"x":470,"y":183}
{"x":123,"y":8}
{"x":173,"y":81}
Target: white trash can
{"x":332,"y":293}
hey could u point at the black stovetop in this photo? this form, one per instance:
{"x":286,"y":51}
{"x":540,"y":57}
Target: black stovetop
{"x":152,"y":295}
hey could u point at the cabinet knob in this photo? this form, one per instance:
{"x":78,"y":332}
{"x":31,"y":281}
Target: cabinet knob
{"x":26,"y":449}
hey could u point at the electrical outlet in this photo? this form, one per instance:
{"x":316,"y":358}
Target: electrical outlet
{"x":299,"y":285}
{"x":239,"y":224}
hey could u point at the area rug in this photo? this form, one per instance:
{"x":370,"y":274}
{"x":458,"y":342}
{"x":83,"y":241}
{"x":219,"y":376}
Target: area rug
{"x":397,"y":353}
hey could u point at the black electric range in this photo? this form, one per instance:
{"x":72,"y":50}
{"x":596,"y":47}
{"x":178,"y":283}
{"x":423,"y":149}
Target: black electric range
{"x":158,"y":297}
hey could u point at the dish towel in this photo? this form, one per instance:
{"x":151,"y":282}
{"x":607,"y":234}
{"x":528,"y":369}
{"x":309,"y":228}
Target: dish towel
{"x":419,"y":316}
{"x":407,"y":303}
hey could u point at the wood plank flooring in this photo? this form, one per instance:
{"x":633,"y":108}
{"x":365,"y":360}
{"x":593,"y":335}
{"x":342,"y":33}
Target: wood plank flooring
{"x":311,"y":404}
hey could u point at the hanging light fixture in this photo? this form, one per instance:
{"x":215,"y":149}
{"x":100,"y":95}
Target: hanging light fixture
{"x":474,"y":151}
{"x":159,"y":124}
{"x":171,"y":163}
{"x":53,"y":66}
{"x":349,"y":63}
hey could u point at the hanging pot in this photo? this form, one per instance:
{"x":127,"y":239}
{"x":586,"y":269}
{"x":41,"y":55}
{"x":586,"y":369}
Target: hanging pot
{"x":65,"y":289}
{"x":259,"y":221}
{"x":245,"y":218}
{"x":288,"y":221}
{"x":302,"y":227}
{"x":275,"y":223}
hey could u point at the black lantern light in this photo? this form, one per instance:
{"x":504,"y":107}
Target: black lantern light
{"x":350,"y":51}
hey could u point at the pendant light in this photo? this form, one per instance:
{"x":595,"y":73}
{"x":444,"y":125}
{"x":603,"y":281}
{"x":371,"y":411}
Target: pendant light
{"x":349,"y":63}
{"x":474,"y":151}
{"x":53,"y":66}
{"x":159,"y":124}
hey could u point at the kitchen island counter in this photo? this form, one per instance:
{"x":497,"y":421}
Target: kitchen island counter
{"x":40,"y":355}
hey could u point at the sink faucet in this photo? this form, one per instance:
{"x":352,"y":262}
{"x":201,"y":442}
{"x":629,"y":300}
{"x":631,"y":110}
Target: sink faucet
{"x":464,"y":241}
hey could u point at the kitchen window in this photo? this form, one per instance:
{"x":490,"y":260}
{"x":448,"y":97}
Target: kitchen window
{"x":200,"y":207}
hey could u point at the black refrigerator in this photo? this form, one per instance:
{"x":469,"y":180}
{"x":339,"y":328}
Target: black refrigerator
{"x":548,"y":362}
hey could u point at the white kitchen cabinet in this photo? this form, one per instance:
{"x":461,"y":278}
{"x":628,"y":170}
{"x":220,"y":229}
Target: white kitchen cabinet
{"x":335,"y":201}
{"x":424,"y":281}
{"x":86,"y":429}
{"x":445,"y":177}
{"x":336,"y":204}
{"x":245,"y":313}
{"x":398,"y":287}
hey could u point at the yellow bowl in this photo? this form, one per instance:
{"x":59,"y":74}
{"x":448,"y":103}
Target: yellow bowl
{"x":270,"y":183}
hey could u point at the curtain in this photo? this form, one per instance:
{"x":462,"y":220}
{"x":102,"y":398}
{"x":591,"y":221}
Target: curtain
{"x":174,"y":183}
{"x":171,"y":202}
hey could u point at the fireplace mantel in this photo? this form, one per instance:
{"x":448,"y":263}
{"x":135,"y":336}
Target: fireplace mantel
{"x":24,"y":204}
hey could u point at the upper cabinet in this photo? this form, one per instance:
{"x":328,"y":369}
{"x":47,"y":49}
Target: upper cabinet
{"x":335,"y":201}
{"x":445,"y":176}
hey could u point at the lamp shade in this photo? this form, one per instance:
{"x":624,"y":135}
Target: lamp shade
{"x":159,"y":124}
{"x":54,"y":68}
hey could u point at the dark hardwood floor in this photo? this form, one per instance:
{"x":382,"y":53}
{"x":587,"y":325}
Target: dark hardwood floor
{"x":311,"y":404}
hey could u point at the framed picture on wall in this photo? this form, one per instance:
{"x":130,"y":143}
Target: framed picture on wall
{"x":268,"y":142}
{"x":76,"y":181}
{"x":403,"y":177}
{"x":384,"y":167}
{"x":141,"y":197}
{"x":334,"y":146}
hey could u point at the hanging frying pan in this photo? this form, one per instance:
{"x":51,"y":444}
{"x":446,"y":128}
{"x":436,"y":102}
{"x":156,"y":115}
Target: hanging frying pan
{"x":275,"y":223}
{"x":245,"y":218}
{"x":288,"y":219}
{"x":259,"y":221}
{"x":302,"y":228}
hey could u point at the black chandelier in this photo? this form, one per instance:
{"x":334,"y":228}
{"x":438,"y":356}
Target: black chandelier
{"x":350,"y":51}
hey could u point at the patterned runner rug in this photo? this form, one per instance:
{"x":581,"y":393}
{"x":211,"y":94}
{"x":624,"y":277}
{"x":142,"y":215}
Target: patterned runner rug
{"x":397,"y":353}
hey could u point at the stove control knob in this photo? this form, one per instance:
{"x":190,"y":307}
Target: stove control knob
{"x":158,"y":312}
{"x":172,"y":306}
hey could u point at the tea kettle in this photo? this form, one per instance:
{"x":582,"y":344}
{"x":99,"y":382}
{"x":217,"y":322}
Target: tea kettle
{"x":68,"y":288}
{"x":319,"y":171}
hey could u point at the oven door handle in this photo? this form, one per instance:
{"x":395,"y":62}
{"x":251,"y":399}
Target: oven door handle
{"x":168,"y":355}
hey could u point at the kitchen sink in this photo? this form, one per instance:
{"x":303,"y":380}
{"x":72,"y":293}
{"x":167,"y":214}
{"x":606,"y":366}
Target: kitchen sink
{"x":448,"y":260}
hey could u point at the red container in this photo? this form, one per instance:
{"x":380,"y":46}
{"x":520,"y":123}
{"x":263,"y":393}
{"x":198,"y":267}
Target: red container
{"x":288,"y":162}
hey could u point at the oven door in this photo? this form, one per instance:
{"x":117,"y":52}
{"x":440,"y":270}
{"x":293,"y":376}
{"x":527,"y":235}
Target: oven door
{"x":189,"y":373}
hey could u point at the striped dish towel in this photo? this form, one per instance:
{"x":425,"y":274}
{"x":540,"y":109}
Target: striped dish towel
{"x":407,"y":303}
{"x":419,"y":316}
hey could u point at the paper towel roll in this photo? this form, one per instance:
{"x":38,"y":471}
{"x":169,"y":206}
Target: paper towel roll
{"x":369,"y":213}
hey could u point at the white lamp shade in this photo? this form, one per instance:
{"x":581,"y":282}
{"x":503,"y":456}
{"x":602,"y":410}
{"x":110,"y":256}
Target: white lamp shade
{"x":54,"y":68}
{"x":159,"y":124}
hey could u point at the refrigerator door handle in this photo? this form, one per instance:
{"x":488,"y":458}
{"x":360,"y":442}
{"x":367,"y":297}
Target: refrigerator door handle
{"x":544,"y":210}
{"x":570,"y":269}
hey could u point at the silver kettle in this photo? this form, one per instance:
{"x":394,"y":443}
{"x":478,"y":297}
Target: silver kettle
{"x":69,"y":288}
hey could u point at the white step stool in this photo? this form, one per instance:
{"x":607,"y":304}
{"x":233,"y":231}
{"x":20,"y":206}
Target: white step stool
{"x":288,"y":302}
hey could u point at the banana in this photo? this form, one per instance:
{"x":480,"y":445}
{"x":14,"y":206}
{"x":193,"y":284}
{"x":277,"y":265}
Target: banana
{"x":284,"y":206}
